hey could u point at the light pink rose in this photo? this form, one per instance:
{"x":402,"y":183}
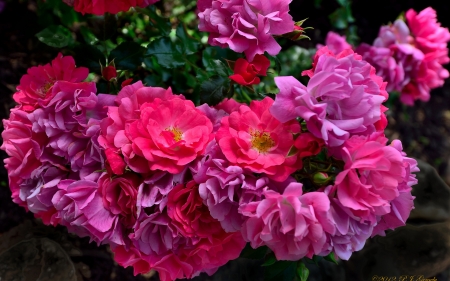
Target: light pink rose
{"x":245,"y":25}
{"x":335,"y":43}
{"x":293,"y":225}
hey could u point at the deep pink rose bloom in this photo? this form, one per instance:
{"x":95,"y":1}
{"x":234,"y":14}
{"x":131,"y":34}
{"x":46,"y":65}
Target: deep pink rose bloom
{"x":100,"y":7}
{"x":188,"y":213}
{"x":119,"y":195}
{"x":23,"y":148}
{"x":244,"y":25}
{"x":253,"y":139}
{"x":351,"y":234}
{"x":335,"y":43}
{"x":211,"y":253}
{"x":169,"y":134}
{"x":210,"y":246}
{"x":293,"y":225}
{"x":228,"y":105}
{"x":429,"y":35}
{"x":402,"y":205}
{"x":182,"y":240}
{"x":81,"y":210}
{"x":113,"y":134}
{"x":307,"y":145}
{"x":36,"y":86}
{"x":371,"y":177}
{"x":131,"y":257}
{"x":342,"y":98}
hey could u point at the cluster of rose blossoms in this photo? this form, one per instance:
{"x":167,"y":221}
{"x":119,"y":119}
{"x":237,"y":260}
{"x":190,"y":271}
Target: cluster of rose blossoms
{"x":409,"y":56}
{"x":181,"y":189}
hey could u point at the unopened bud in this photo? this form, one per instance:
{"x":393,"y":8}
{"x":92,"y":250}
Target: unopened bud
{"x":321,"y":178}
{"x":109,"y":73}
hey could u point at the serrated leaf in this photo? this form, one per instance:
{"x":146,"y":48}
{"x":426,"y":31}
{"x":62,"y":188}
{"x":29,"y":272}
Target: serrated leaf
{"x":128,"y":55}
{"x":166,"y":52}
{"x":214,"y":90}
{"x":302,"y":271}
{"x":219,"y":68}
{"x":55,"y":36}
{"x":190,"y":45}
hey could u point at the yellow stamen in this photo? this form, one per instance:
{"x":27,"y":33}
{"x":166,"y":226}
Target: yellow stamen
{"x":44,"y":89}
{"x":261,"y":141}
{"x":177,"y":133}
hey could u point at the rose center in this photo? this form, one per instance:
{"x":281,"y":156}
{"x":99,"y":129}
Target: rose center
{"x":261,"y":141}
{"x":42,"y":92}
{"x":177,"y":133}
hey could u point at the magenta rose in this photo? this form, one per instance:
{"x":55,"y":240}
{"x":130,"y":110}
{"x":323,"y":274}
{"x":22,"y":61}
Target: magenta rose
{"x":253,"y":139}
{"x":119,"y":195}
{"x":36,"y":86}
{"x":169,"y":134}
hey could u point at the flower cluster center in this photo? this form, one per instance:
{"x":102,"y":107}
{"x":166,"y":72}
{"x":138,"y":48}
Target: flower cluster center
{"x":177,"y":133}
{"x":261,"y":141}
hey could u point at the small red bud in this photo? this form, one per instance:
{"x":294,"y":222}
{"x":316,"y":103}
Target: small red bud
{"x":109,"y":72}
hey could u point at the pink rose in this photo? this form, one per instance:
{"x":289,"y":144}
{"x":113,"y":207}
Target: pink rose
{"x":169,"y":134}
{"x":245,"y":26}
{"x":119,"y":195}
{"x":335,"y":43}
{"x":36,"y":86}
{"x":253,"y":139}
{"x":189,"y":215}
{"x":293,"y":225}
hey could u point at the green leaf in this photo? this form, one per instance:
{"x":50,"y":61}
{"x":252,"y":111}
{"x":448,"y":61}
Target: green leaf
{"x":331,"y":258}
{"x":55,"y":36}
{"x":214,"y":90}
{"x":127,"y":56}
{"x":270,"y":259}
{"x":190,"y":45}
{"x":162,"y":24}
{"x":302,"y":271}
{"x":218,"y":67}
{"x":339,"y":18}
{"x":167,"y":53}
{"x":255,"y":254}
{"x":88,"y":36}
{"x":280,"y":271}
